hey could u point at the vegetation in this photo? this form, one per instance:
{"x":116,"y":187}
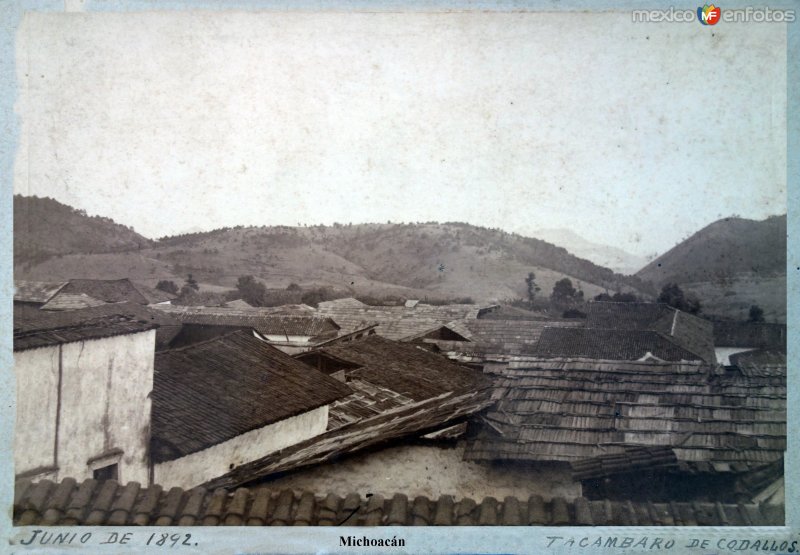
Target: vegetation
{"x":168,"y":286}
{"x":532,"y":288}
{"x":43,"y":227}
{"x":756,"y":314}
{"x":674,"y":296}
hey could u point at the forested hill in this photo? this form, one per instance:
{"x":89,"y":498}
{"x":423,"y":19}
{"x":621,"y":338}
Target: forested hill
{"x":411,"y":259}
{"x":44,"y":227}
{"x":723,"y":250}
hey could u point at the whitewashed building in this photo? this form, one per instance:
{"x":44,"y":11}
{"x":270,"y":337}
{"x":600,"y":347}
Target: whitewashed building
{"x":231,"y":400}
{"x":83,"y":380}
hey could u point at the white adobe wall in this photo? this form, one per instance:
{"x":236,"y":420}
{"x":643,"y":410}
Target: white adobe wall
{"x":202,"y":466}
{"x":105,"y":405}
{"x":37,"y":393}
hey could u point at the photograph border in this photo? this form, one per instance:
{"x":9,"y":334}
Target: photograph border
{"x":417,"y":539}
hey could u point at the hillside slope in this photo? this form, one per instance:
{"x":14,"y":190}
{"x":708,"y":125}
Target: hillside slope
{"x":723,"y":250}
{"x":730,"y":265}
{"x":411,"y":260}
{"x":44,"y":227}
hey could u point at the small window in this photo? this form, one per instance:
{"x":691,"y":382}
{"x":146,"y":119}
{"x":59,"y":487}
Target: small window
{"x":110,"y":472}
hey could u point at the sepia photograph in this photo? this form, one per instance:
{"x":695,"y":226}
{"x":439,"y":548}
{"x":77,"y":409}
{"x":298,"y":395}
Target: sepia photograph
{"x":431,"y":266}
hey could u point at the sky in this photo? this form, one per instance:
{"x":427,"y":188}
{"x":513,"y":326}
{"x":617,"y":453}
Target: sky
{"x":634,"y":135}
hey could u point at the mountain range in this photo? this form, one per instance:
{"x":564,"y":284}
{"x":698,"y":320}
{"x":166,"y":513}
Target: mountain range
{"x":730,"y":264}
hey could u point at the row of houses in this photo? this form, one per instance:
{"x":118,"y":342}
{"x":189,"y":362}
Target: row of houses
{"x":637,"y":402}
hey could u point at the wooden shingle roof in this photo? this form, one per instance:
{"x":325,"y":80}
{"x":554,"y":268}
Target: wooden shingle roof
{"x":264,"y":322}
{"x":395,"y":322}
{"x":573,"y":409}
{"x":106,"y":290}
{"x":210,"y":392}
{"x":609,"y":344}
{"x":685,"y":330}
{"x":109,"y":503}
{"x":43,"y":328}
{"x":404,"y":368}
{"x":36,"y":291}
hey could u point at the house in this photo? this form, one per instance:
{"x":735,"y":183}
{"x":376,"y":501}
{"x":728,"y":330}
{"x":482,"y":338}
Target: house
{"x":238,"y":303}
{"x":477,"y":341}
{"x":82,"y":293}
{"x":83,"y":381}
{"x":231,"y":400}
{"x":291,"y":333}
{"x":609,"y":344}
{"x":399,"y":391}
{"x":697,"y":426}
{"x":731,"y":338}
{"x":396,"y":322}
{"x":685,"y":330}
{"x":36,"y":293}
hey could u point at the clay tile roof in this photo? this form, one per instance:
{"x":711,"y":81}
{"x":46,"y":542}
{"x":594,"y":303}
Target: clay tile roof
{"x":404,"y":368}
{"x":44,"y":328}
{"x":573,"y":409}
{"x":36,"y":291}
{"x":113,"y":504}
{"x":210,"y":392}
{"x":609,"y":344}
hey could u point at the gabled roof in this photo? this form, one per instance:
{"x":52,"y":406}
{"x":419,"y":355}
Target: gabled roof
{"x":154,"y":295}
{"x":750,"y":334}
{"x":762,"y":363}
{"x":36,"y":291}
{"x":210,"y":392}
{"x":609,"y":344}
{"x":395,"y":322}
{"x":685,"y":330}
{"x":404,"y":367}
{"x":265,"y":322}
{"x":573,"y":409}
{"x":500,"y":337}
{"x":106,"y":290}
{"x":71,"y":301}
{"x":238,"y":303}
{"x":100,"y":503}
{"x":45,"y":328}
{"x":629,"y":316}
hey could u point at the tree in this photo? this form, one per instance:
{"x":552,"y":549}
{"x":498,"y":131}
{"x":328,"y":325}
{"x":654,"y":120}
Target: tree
{"x":293,"y":287}
{"x":253,"y":292}
{"x":673,"y":295}
{"x":191,"y":282}
{"x":168,"y":286}
{"x":530,"y":281}
{"x":756,"y":314}
{"x":563,"y":291}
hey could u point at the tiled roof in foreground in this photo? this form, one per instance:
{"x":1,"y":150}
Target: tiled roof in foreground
{"x":109,"y":503}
